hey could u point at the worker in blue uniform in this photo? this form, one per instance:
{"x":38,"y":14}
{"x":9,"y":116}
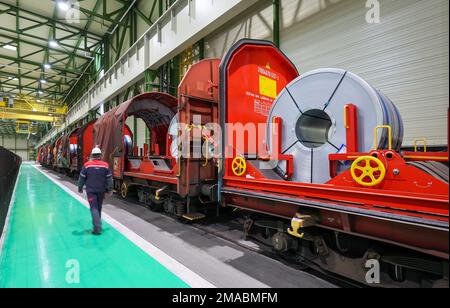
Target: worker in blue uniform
{"x":98,"y":179}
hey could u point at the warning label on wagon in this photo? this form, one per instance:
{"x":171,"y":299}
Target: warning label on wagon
{"x":267,"y":87}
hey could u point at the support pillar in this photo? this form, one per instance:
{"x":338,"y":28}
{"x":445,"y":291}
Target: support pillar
{"x":276,"y":22}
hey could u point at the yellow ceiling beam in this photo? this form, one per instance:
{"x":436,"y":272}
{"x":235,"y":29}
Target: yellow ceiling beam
{"x":6,"y":114}
{"x":30,"y":105}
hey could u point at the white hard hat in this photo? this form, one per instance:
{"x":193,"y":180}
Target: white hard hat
{"x":96,"y":151}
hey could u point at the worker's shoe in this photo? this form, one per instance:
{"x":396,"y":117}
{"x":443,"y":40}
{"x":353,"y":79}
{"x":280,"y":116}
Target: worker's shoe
{"x":97,"y":233}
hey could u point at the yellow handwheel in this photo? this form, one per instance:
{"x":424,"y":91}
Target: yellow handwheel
{"x":368,"y":171}
{"x":239,"y":166}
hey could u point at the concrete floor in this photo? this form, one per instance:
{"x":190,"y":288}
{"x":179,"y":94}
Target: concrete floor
{"x":221,"y":263}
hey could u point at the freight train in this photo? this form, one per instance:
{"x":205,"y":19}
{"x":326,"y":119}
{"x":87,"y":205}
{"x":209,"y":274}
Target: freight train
{"x":311,"y":163}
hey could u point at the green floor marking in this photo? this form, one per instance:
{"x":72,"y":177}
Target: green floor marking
{"x":48,"y":239}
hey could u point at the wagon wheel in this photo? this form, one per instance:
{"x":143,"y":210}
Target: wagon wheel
{"x":124,"y":190}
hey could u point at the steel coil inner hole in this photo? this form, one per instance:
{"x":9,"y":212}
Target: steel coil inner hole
{"x":313,"y":128}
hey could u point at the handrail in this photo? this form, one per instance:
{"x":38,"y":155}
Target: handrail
{"x":389,"y":128}
{"x":425,"y":145}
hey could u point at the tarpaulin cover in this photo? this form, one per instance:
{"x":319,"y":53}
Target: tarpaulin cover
{"x":38,"y":158}
{"x":50,"y":154}
{"x":47,"y":155}
{"x":155,"y":109}
{"x":9,"y":168}
{"x":65,"y":150}
{"x":44,"y":154}
{"x":63,"y":158}
{"x":57,"y":153}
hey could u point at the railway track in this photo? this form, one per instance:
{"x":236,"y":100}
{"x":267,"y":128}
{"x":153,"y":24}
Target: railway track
{"x":224,"y":229}
{"x":303,"y":265}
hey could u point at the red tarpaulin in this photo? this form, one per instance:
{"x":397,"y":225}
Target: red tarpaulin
{"x":155,"y":109}
{"x":65,"y":149}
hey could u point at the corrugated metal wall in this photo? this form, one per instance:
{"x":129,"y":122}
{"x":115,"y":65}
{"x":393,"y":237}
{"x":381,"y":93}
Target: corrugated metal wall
{"x":406,"y":55}
{"x":257,"y":24}
{"x":19,"y":145}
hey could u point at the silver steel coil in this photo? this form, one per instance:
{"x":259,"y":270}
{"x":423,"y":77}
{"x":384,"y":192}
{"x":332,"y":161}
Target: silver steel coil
{"x":312,"y":109}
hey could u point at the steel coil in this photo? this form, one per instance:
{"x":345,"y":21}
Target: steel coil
{"x":312,"y":108}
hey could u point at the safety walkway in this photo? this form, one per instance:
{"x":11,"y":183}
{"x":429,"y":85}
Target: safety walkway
{"x":48,"y":244}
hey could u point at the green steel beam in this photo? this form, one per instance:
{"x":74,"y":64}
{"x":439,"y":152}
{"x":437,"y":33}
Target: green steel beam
{"x":144,"y":18}
{"x":149,"y":86}
{"x":44,"y":46}
{"x":136,"y":92}
{"x":18,"y":46}
{"x":175,"y":76}
{"x":88,"y":24}
{"x":16,"y":87}
{"x":161,"y":7}
{"x":89,"y":14}
{"x":276,"y":22}
{"x":152,"y":11}
{"x":51,"y":22}
{"x":105,"y":49}
{"x":149,"y":80}
{"x":201,"y":49}
{"x":35,"y":21}
{"x":36,"y":81}
{"x":120,"y":40}
{"x":39,"y":64}
{"x":106,"y":53}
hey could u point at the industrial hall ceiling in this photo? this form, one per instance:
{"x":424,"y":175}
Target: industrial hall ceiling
{"x":45,"y":47}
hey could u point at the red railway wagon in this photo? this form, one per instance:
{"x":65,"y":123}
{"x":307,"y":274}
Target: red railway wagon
{"x":44,"y":155}
{"x":56,"y":150}
{"x":409,"y":208}
{"x":67,"y":153}
{"x":178,"y":183}
{"x":50,"y":155}
{"x":71,"y":151}
{"x":130,"y":164}
{"x":80,"y":147}
{"x":61,"y":161}
{"x":198,"y":112}
{"x":39,"y":153}
{"x":382,"y":205}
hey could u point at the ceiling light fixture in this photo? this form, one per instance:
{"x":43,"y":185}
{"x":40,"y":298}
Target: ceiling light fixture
{"x":53,"y":44}
{"x":47,"y":66}
{"x":43,"y":81}
{"x":10,"y":47}
{"x":63,"y":5}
